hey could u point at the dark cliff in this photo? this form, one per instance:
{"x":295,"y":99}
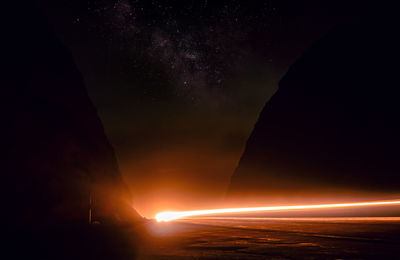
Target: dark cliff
{"x":333,"y":124}
{"x":55,"y":149}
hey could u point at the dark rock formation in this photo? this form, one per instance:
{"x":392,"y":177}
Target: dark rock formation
{"x":55,"y":149}
{"x":333,"y":125}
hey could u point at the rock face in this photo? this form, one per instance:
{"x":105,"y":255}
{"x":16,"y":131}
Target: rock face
{"x":334,"y":122}
{"x":56,"y":151}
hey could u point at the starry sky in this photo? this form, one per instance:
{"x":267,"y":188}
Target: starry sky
{"x":179,"y":84}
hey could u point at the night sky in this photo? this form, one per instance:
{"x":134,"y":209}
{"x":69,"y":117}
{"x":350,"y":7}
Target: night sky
{"x":179,"y":84}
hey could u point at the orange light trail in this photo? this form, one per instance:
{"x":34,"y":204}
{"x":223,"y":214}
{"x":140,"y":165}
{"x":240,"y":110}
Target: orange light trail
{"x":173,"y":215}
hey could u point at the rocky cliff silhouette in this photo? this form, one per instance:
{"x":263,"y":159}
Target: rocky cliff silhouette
{"x":56,"y":153}
{"x":333,"y":125}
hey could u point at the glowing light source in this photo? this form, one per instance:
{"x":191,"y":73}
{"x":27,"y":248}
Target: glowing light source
{"x":173,"y":215}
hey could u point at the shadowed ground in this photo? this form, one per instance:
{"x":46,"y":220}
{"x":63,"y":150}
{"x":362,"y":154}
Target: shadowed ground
{"x":269,"y":238}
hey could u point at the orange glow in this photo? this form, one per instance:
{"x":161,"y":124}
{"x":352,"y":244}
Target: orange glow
{"x":173,"y":215}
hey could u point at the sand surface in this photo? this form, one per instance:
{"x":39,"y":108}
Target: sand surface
{"x":273,"y":238}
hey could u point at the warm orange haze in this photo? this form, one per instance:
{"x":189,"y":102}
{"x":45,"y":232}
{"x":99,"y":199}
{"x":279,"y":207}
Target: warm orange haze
{"x":173,"y":215}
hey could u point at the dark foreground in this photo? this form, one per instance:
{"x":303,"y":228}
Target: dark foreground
{"x":313,"y":238}
{"x":251,"y":238}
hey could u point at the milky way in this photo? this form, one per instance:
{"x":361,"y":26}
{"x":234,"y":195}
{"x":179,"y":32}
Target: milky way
{"x":196,"y":44}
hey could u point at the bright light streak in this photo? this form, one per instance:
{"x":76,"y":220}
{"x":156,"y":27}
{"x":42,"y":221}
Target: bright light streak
{"x":173,"y":215}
